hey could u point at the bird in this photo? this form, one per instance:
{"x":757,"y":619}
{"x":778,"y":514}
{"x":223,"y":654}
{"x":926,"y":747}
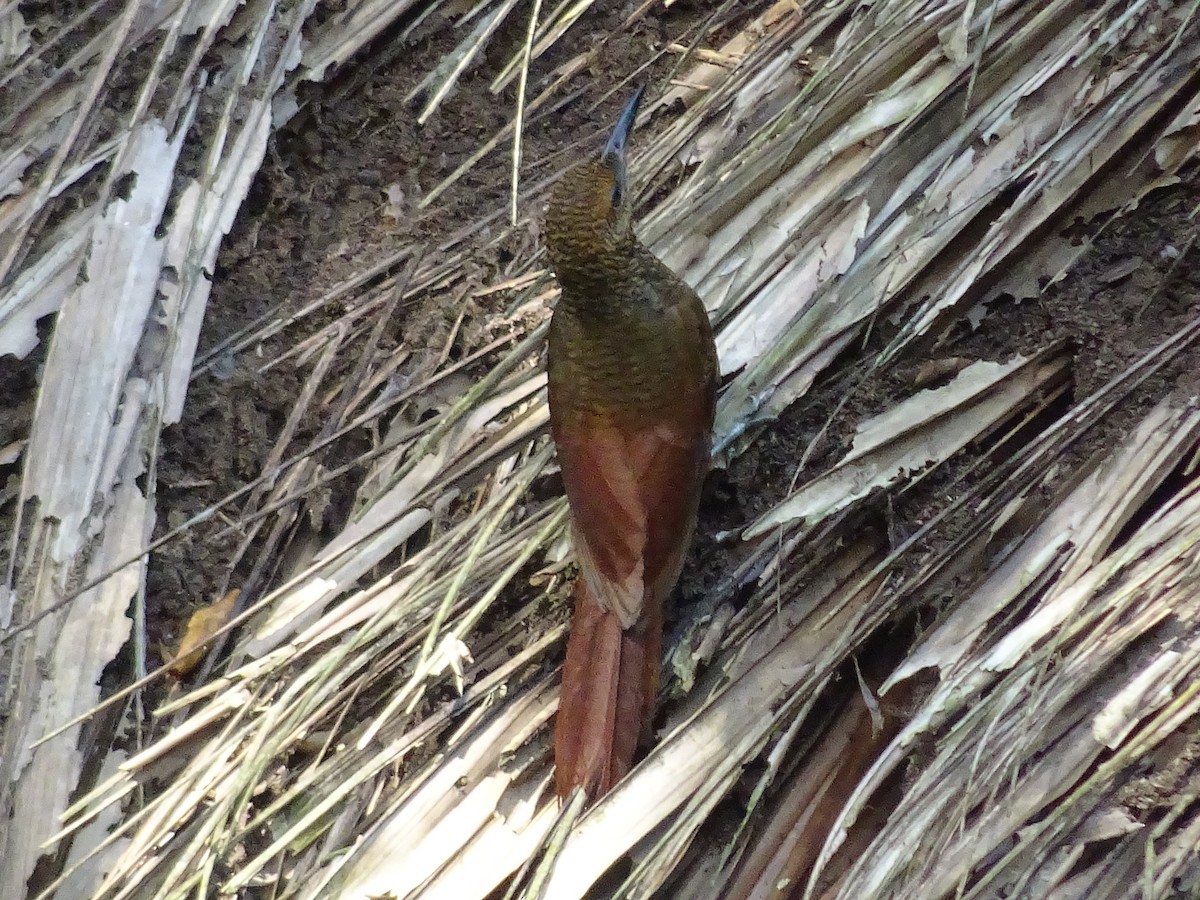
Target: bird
{"x":632,"y":384}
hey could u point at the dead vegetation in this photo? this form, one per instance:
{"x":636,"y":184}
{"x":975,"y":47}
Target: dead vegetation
{"x":846,"y":186}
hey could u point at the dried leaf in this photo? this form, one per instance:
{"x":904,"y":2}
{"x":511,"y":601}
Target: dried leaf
{"x":396,"y":207}
{"x":923,"y":430}
{"x":202,"y":627}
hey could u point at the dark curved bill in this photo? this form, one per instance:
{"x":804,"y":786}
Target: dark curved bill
{"x":616,"y":143}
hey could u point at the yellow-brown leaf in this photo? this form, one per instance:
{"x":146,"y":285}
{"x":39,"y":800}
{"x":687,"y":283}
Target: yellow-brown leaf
{"x":201,"y":629}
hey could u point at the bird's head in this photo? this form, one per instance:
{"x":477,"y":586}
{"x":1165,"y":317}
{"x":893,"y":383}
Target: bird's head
{"x":589,"y":223}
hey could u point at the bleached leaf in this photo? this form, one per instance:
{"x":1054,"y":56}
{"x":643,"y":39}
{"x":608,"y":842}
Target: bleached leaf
{"x":1085,"y":521}
{"x":926,"y":428}
{"x":1144,"y":694}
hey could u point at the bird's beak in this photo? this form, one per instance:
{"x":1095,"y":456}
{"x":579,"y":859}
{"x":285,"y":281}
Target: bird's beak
{"x":614,"y":150}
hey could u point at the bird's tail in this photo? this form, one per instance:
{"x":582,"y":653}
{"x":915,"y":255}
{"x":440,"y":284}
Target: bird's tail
{"x":609,"y":683}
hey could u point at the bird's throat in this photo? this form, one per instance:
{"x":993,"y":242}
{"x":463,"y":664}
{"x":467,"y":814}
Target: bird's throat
{"x":590,"y":279}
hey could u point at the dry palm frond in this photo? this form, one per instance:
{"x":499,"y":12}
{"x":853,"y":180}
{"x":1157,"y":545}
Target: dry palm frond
{"x":1140,"y":594}
{"x":117,"y":367}
{"x":847,"y":165}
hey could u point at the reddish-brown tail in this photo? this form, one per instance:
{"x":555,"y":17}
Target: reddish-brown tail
{"x":609,"y":683}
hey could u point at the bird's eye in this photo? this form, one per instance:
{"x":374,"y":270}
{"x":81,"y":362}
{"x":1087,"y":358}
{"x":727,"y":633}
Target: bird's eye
{"x":617,"y":195}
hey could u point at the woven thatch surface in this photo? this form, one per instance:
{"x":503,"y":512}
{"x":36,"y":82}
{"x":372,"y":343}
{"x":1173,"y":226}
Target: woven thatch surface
{"x":944,"y":628}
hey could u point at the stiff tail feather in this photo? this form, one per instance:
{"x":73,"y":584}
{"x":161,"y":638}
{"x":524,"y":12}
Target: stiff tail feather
{"x":609,"y":683}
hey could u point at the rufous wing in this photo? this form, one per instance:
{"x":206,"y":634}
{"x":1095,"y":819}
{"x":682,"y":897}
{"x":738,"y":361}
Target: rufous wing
{"x":633,"y":495}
